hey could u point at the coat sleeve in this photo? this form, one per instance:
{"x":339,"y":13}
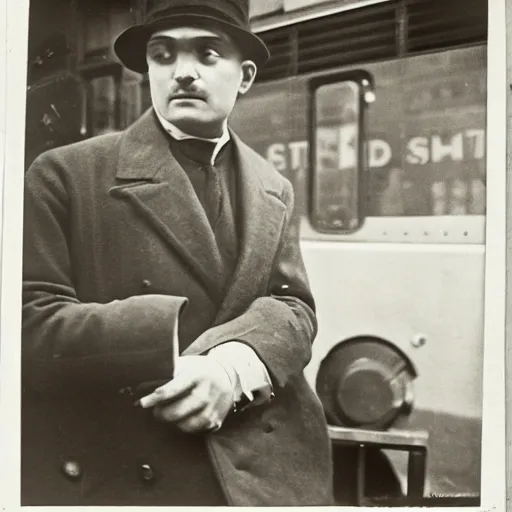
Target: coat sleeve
{"x":280,"y":326}
{"x":67,"y":343}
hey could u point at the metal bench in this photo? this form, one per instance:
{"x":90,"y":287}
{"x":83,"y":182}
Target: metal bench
{"x":414,"y":442}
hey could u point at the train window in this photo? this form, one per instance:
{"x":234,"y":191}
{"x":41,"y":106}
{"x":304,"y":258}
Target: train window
{"x":337,"y":156}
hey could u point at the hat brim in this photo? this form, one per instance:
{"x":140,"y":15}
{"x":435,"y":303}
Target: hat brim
{"x":130,"y":45}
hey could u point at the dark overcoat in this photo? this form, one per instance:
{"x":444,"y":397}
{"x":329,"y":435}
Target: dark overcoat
{"x":116,"y":248}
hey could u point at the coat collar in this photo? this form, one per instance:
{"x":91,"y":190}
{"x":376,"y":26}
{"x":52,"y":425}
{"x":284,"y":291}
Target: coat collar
{"x":144,"y":155}
{"x":143,"y":150}
{"x":153,"y":181}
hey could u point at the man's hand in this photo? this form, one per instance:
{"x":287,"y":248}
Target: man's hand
{"x":197,"y":399}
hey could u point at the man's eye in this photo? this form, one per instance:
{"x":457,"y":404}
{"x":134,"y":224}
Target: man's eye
{"x":160,"y":54}
{"x":209,"y":53}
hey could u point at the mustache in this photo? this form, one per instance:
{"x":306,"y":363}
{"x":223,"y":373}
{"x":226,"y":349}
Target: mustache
{"x":189,"y":94}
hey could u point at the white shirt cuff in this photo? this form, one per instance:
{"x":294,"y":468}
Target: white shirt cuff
{"x":247,"y":372}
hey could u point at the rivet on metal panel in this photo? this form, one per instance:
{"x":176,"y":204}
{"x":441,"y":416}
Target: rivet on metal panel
{"x":419,"y":340}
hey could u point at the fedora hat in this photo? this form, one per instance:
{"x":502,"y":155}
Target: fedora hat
{"x":231,"y":16}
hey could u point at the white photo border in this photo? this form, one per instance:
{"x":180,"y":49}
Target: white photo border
{"x":12,"y":101}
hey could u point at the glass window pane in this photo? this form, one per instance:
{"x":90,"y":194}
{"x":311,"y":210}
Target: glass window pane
{"x":336,"y":170}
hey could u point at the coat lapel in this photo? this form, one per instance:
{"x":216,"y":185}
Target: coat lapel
{"x":150,"y":178}
{"x":261,"y":213}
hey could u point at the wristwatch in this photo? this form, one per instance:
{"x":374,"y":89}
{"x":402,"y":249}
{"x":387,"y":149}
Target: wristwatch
{"x":259,"y":397}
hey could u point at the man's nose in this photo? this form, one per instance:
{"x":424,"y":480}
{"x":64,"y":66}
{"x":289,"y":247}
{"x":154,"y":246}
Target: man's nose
{"x":185,"y":71}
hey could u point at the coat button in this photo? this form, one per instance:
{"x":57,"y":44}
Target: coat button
{"x":147,"y":473}
{"x":72,"y":469}
{"x":146,"y":283}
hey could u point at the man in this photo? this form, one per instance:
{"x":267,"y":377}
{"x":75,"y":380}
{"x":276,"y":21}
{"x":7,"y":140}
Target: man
{"x":172,"y":224}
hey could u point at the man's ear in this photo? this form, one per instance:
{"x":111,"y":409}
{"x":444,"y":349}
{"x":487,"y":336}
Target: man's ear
{"x":249,"y":71}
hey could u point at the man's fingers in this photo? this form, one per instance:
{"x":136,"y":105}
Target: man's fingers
{"x":205,"y":419}
{"x":201,"y":422}
{"x":192,"y":413}
{"x":178,"y":411}
{"x":197,"y":399}
{"x":173,"y":390}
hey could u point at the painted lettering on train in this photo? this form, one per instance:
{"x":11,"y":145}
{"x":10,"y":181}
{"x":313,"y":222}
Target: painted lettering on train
{"x":462,"y":146}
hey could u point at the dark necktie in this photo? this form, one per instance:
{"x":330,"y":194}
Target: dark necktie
{"x":200,"y":152}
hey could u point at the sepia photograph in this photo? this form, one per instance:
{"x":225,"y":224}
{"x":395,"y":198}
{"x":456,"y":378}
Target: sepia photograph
{"x":253,"y":253}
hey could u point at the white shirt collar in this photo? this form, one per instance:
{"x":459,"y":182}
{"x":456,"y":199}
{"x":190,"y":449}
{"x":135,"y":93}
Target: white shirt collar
{"x":178,"y":134}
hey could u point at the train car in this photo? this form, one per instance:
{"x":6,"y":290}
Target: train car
{"x":378,"y":115}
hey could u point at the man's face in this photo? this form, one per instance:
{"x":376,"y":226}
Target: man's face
{"x":195,"y":76}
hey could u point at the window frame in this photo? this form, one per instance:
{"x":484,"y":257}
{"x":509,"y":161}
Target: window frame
{"x":364,"y":80}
